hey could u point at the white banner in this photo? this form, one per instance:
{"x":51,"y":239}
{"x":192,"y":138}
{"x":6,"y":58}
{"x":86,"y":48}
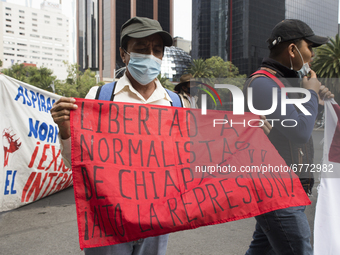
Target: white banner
{"x":31,"y":166}
{"x":327,"y":217}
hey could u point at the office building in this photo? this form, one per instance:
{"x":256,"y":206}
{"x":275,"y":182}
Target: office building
{"x":98,"y":27}
{"x":183,"y":44}
{"x":34,"y":36}
{"x":174,"y":63}
{"x":237,"y":30}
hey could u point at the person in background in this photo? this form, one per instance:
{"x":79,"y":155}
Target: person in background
{"x":187,"y":90}
{"x":286,"y":231}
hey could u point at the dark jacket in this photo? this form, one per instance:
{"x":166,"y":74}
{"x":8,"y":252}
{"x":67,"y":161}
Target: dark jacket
{"x":294,"y":148}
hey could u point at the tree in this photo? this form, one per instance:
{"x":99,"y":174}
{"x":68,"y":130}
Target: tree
{"x":213,"y":71}
{"x":199,"y":69}
{"x":327,"y":61}
{"x":165,"y":82}
{"x":326,"y":64}
{"x":17,"y":71}
{"x":220,"y":68}
{"x":0,"y":63}
{"x":40,"y":77}
{"x":225,"y":72}
{"x":77,"y":84}
{"x":214,"y":67}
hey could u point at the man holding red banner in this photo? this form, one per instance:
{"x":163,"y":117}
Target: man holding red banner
{"x":286,"y":231}
{"x":142,"y":45}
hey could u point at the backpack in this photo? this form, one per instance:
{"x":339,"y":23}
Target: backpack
{"x":264,"y":72}
{"x":106,"y":92}
{"x":294,"y":154}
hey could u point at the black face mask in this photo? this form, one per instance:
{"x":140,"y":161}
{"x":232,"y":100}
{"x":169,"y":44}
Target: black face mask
{"x":193,"y":91}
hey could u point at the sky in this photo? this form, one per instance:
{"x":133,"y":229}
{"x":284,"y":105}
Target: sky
{"x":182,"y":18}
{"x":182,"y":14}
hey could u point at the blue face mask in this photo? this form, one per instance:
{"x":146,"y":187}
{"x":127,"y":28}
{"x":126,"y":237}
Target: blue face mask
{"x":305,"y":69}
{"x":144,"y":68}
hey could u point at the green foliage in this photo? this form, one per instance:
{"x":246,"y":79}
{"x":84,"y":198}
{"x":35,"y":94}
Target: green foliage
{"x":17,"y":72}
{"x":199,"y":69}
{"x":327,"y":61}
{"x":165,"y":82}
{"x":77,"y":84}
{"x":220,"y":68}
{"x":40,"y":77}
{"x":214,"y":67}
{"x":326,"y":64}
{"x":215,"y":70}
{"x":0,"y":63}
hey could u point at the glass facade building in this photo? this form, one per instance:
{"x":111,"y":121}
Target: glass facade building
{"x":98,"y":27}
{"x":88,"y":34}
{"x":122,"y":15}
{"x":175,"y":62}
{"x":237,"y":30}
{"x":251,"y":24}
{"x":321,"y":16}
{"x":164,"y":14}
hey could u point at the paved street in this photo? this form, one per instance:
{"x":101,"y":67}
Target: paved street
{"x":49,"y":226}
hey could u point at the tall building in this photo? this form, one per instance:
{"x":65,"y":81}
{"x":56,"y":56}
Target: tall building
{"x":98,"y":26}
{"x":209,"y":27}
{"x":248,"y":31}
{"x":34,"y":36}
{"x":185,"y":45}
{"x":174,"y":63}
{"x":237,"y":30}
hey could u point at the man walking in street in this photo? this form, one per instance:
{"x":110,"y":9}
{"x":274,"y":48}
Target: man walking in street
{"x":291,"y":43}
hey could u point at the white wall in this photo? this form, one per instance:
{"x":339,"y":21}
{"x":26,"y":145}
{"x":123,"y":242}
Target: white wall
{"x":34,"y":36}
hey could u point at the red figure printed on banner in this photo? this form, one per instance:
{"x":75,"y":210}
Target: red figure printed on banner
{"x":10,"y":143}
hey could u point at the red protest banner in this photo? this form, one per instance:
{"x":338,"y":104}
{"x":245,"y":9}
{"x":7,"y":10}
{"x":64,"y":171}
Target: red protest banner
{"x":147,"y":170}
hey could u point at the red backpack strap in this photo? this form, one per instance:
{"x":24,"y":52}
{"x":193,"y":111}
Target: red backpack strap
{"x":269,"y":75}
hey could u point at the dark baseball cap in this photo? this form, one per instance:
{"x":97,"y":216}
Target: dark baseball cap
{"x":292,"y":29}
{"x":140,"y":27}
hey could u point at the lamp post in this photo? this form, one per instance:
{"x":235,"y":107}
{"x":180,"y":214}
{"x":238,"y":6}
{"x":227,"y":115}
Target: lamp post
{"x":97,"y":77}
{"x":52,"y":86}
